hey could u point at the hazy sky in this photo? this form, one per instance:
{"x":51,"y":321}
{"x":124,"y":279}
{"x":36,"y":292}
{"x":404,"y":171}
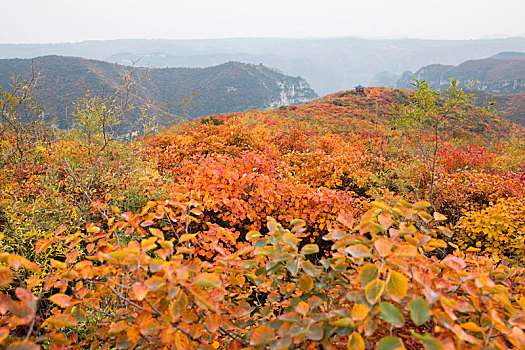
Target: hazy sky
{"x":45,"y":21}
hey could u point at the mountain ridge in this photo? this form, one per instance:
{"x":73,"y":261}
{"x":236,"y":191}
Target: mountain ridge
{"x":229,"y":87}
{"x":329,"y":65}
{"x":503,"y":73}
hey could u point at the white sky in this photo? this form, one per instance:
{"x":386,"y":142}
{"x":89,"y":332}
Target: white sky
{"x":45,"y":21}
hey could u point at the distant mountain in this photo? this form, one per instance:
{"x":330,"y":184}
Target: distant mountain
{"x":229,"y":87}
{"x":503,"y":73}
{"x":329,"y":65}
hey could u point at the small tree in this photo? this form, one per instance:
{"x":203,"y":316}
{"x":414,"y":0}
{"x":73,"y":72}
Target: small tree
{"x":426,"y":115}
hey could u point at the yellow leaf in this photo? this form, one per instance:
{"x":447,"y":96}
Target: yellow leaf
{"x":439,"y":217}
{"x":359,"y":312}
{"x":306,"y":283}
{"x":355,"y":342}
{"x":396,"y":285}
{"x":471,"y":326}
{"x":157,"y":233}
{"x":186,"y":237}
{"x":209,"y":280}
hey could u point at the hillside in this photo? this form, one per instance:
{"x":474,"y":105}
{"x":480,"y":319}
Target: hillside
{"x":323,"y":225}
{"x":347,"y":112}
{"x":226,"y":88}
{"x":512,"y":106}
{"x":501,"y":74}
{"x":329,"y":65}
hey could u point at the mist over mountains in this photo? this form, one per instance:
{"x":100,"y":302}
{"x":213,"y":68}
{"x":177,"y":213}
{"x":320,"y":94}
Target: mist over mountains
{"x":329,"y":65}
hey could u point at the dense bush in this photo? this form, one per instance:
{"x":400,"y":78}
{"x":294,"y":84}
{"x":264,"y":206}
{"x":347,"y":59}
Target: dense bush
{"x":240,"y":233}
{"x":498,"y":230}
{"x":379,"y":287}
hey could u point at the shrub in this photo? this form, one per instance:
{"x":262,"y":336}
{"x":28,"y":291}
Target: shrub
{"x":379,"y":287}
{"x":496,"y":230}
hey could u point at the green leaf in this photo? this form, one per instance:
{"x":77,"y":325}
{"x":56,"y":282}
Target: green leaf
{"x":374,"y":290}
{"x":293,"y":267}
{"x":310,"y":249}
{"x":391,"y":314}
{"x":368,"y":273}
{"x":315,"y":332}
{"x":358,"y":251}
{"x":390,"y":343}
{"x":419,"y":311}
{"x":308,"y":267}
{"x":429,"y":342}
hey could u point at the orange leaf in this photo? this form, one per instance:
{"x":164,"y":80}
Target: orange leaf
{"x":21,"y":309}
{"x":60,"y":229}
{"x":406,"y":251}
{"x":213,"y":322}
{"x":383,"y":246}
{"x":181,"y":341}
{"x":4,"y":333}
{"x":202,"y":298}
{"x":518,"y":320}
{"x":61,"y":320}
{"x":118,"y":327}
{"x":157,"y":233}
{"x":235,"y":345}
{"x":140,"y":290}
{"x":302,"y":308}
{"x":346,"y":219}
{"x":61,"y":300}
{"x":262,"y":335}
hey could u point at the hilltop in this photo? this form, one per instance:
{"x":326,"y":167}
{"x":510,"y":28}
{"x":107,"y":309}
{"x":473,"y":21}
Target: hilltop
{"x":225,"y":88}
{"x":346,"y":112}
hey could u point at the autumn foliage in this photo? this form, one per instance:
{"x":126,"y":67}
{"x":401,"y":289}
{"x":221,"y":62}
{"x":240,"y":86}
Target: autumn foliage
{"x":298,"y":228}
